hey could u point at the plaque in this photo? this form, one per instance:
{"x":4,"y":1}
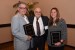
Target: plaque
{"x":29,"y":30}
{"x":55,"y":37}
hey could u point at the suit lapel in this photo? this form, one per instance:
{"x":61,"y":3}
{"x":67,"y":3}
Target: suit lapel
{"x":43,"y":20}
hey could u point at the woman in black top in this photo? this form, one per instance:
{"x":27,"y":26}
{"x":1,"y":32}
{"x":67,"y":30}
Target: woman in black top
{"x":56,"y":25}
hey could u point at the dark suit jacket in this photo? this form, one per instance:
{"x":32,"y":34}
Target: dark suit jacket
{"x":45,"y":22}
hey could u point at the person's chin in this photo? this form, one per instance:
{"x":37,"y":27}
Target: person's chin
{"x":38,"y":16}
{"x":23,"y":13}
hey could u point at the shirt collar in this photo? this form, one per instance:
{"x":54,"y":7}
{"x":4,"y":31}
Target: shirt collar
{"x":38,"y":19}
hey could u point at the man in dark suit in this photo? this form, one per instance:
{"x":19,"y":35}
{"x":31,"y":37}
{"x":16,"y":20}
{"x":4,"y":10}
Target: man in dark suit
{"x":40,"y":24}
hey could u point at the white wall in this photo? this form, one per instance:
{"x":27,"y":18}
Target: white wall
{"x":66,"y":8}
{"x":7,"y":10}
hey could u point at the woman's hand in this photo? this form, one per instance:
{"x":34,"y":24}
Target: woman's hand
{"x":61,"y":41}
{"x":57,"y":44}
{"x":29,"y":38}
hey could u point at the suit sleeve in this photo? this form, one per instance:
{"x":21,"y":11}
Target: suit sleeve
{"x":46,"y":26}
{"x":16,"y":29}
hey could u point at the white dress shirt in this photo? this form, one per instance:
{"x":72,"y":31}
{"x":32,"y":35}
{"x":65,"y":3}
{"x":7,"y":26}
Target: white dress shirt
{"x":26,"y":19}
{"x":42,"y":31}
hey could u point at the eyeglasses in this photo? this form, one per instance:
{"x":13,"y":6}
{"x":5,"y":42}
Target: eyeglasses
{"x":22,"y":7}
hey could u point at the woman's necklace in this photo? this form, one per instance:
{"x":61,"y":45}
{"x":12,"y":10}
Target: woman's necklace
{"x":54,"y":24}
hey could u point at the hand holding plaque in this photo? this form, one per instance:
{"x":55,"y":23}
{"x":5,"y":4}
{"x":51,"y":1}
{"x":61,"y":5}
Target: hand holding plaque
{"x":29,"y":30}
{"x":55,"y":37}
